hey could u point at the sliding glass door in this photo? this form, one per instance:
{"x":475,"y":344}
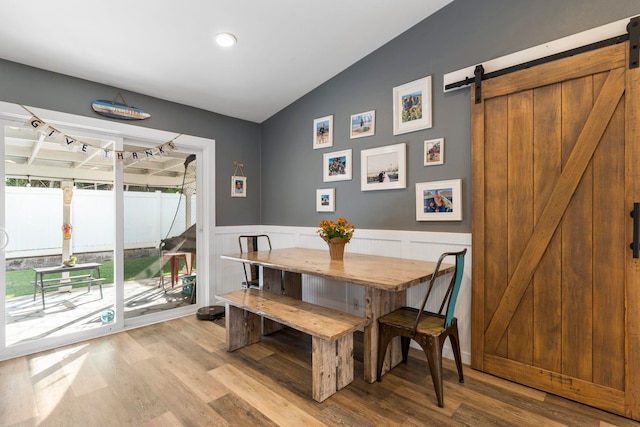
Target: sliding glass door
{"x":100,"y":234}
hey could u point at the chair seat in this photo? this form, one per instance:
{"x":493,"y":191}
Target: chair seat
{"x":405,"y":318}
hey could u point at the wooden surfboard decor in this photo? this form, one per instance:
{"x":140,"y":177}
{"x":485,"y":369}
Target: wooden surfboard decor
{"x":118,"y":110}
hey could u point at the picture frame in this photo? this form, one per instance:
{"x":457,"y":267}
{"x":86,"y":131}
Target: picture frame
{"x":434,"y":152}
{"x":412,"y":106}
{"x":238,"y":186}
{"x":362,"y":124}
{"x":326,"y":200}
{"x":383,"y":168}
{"x":323,"y":132}
{"x":337,"y":166}
{"x":439,"y":200}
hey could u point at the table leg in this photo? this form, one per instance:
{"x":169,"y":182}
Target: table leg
{"x":281,"y":283}
{"x":376,"y":304}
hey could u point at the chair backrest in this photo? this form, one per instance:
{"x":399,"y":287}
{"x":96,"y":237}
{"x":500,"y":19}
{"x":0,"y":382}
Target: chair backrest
{"x":250,"y":243}
{"x":448,"y":305}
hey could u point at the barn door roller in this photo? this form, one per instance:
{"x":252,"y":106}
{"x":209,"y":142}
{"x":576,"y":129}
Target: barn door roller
{"x":633,"y":28}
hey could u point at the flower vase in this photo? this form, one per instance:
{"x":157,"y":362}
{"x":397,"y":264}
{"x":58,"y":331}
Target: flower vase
{"x":336,"y":248}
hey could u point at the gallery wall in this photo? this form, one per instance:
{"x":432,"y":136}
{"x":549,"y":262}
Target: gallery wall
{"x":464,"y":33}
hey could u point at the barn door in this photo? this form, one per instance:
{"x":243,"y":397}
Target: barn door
{"x":556,"y":171}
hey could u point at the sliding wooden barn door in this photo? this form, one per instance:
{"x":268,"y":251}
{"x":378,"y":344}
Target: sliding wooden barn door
{"x":556,"y":171}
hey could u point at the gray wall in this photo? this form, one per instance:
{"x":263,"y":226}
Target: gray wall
{"x":235,"y":139}
{"x":464,"y":33}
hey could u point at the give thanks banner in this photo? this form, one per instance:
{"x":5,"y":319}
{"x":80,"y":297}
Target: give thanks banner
{"x":52,"y":134}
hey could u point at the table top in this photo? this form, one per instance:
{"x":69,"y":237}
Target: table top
{"x":387,"y":273}
{"x":62,"y":268}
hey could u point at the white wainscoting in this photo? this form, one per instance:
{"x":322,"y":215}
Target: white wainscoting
{"x":404,"y":244}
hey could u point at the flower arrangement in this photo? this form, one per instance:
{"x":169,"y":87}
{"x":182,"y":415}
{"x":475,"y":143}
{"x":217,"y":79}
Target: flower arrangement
{"x":340,"y":229}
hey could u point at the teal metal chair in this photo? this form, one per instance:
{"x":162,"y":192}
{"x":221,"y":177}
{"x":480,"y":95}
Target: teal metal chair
{"x":428,"y":329}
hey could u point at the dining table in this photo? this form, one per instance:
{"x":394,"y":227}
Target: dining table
{"x":385,"y":280}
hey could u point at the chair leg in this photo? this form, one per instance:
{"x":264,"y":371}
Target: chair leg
{"x":406,"y":342}
{"x":433,"y":351}
{"x":455,"y":346}
{"x":384,"y":338}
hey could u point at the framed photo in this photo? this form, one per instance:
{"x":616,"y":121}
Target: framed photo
{"x":439,"y":200}
{"x":363,"y":124}
{"x":336,"y":166}
{"x":383,"y":168}
{"x":238,"y":186}
{"x":434,"y":152}
{"x":412,"y":106}
{"x":323,"y":132}
{"x":326,"y":200}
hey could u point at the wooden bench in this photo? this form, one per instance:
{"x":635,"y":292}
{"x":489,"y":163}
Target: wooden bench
{"x":331,"y":331}
{"x":70,"y":280}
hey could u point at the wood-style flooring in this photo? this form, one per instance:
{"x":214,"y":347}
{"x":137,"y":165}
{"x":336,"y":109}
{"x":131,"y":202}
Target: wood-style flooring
{"x":178,"y":373}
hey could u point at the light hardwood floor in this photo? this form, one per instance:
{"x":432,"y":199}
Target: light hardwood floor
{"x":178,"y":373}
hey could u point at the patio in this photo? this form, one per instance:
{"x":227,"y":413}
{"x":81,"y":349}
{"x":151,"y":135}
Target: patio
{"x":78,"y":309}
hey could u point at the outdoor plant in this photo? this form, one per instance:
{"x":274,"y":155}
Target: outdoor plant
{"x":340,"y":228}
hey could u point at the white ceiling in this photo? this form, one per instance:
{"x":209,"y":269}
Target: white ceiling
{"x":165,"y":48}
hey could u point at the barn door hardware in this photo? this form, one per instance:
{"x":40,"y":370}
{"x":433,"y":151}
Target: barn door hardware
{"x":478,"y":72}
{"x":633,"y":28}
{"x":635,"y":245}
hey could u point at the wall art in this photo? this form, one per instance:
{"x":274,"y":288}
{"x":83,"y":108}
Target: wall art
{"x":383,"y":168}
{"x":412,"y":106}
{"x":238,"y":186}
{"x":434,"y":152}
{"x":363,"y":124}
{"x":323,"y":132}
{"x":326,"y":200}
{"x":336,"y":166}
{"x":439,"y":200}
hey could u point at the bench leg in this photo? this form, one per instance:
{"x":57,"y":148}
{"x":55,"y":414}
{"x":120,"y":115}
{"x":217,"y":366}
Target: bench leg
{"x":242,"y":327}
{"x":332,"y":365}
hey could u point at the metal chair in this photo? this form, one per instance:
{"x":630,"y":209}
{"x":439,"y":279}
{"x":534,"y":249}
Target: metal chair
{"x":428,"y":329}
{"x":249,"y":243}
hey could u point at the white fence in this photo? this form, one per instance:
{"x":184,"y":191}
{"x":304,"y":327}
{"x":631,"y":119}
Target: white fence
{"x":34,"y":220}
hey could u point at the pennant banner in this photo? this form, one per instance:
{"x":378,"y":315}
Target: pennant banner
{"x":51,"y":134}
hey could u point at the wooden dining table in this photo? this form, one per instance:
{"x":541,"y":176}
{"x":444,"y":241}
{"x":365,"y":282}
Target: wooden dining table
{"x":385,"y":281}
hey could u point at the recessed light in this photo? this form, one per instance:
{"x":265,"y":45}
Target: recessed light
{"x":226,"y":39}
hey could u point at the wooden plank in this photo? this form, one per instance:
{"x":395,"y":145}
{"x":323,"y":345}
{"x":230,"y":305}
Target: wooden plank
{"x":344,"y":361}
{"x":596,"y":61}
{"x":265,"y":400}
{"x":315,"y":320}
{"x":554,"y":209}
{"x":323,"y":367}
{"x":520,"y":215}
{"x":390,"y":274}
{"x":577,"y":226}
{"x":547,"y":296}
{"x":478,"y":231}
{"x":496,"y":243}
{"x":609,"y":243}
{"x":632,"y":265}
{"x":583,"y":391}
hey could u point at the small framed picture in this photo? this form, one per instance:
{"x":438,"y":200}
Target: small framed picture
{"x":439,"y":200}
{"x":412,"y":106}
{"x":326,"y":200}
{"x":336,"y":166}
{"x":238,"y":186}
{"x":383,"y":168}
{"x":434,"y":152}
{"x":323,"y":132}
{"x":363,"y":124}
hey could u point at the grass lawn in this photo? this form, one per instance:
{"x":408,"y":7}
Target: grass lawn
{"x":20,"y":282}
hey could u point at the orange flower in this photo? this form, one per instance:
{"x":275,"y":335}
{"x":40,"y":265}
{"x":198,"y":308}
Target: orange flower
{"x":341,"y":228}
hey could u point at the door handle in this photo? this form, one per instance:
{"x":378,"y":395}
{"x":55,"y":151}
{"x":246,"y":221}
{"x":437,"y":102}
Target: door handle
{"x":635,"y":245}
{"x":5,"y":240}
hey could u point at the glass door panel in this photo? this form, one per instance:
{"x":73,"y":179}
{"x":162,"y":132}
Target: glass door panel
{"x":59,"y":216}
{"x":159,"y":230}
